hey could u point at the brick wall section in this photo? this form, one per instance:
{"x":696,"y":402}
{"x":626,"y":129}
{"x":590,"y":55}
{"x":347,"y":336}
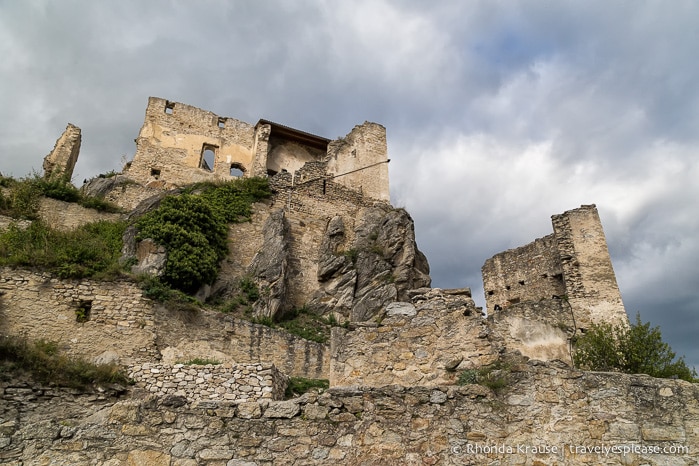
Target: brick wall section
{"x":237,"y":382}
{"x":40,"y":306}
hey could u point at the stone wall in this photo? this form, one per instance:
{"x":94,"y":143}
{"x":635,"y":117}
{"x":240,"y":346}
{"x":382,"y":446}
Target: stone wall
{"x":63,"y":215}
{"x":359,"y":160}
{"x":89,"y":318}
{"x":231,"y":382}
{"x":61,"y":161}
{"x":183,"y":335}
{"x":564,"y":415}
{"x":537,"y":329}
{"x":589,"y":276}
{"x":528,"y":273}
{"x":572,"y":263}
{"x":171,"y":144}
{"x":423,"y":343}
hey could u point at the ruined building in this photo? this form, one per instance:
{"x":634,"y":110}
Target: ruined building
{"x":180,"y":144}
{"x":329,"y":241}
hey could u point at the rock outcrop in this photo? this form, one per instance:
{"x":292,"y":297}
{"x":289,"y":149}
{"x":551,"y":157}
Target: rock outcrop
{"x":378,"y":267}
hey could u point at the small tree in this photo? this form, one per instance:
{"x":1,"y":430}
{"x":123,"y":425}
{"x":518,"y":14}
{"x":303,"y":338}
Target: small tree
{"x":637,"y":349}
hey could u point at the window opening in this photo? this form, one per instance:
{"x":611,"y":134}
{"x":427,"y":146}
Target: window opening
{"x":521,"y":282}
{"x":82,"y":311}
{"x":271,"y":173}
{"x":169,"y":107}
{"x":208,"y":157}
{"x":155,"y":173}
{"x":324,"y":185}
{"x":237,"y":170}
{"x":221,"y":122}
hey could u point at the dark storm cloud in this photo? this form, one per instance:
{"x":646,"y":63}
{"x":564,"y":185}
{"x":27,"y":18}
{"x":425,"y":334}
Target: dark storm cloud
{"x":498,"y":114}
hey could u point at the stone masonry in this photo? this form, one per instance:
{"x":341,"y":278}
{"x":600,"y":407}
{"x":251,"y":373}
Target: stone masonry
{"x":180,"y":144}
{"x":61,"y":161}
{"x":232,"y":382}
{"x":572,"y":264}
{"x":545,"y":416}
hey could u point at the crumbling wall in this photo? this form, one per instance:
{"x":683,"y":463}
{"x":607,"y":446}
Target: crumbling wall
{"x":171,"y":148}
{"x":62,"y":159}
{"x":587,"y":268}
{"x":424,"y":343}
{"x":89,"y":318}
{"x":528,"y":273}
{"x":572,"y":264}
{"x":544,"y":416}
{"x":63,"y":215}
{"x":541,"y":294}
{"x":183,"y":335}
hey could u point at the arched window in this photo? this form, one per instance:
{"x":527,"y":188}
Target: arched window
{"x":237,"y":170}
{"x":208,"y":157}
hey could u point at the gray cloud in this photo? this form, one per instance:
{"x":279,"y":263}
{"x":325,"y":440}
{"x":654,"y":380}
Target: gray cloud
{"x":498,"y":114}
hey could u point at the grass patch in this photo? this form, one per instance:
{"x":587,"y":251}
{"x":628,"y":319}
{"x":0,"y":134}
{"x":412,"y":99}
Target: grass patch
{"x":91,"y":250}
{"x":201,"y":362}
{"x":46,"y":364}
{"x":494,"y":376}
{"x":300,"y":385}
{"x":23,"y":196}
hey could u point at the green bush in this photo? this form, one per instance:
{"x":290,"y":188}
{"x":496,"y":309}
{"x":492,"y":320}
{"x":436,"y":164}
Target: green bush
{"x":93,"y":249}
{"x":46,"y":364}
{"x":193,"y":228}
{"x":194,"y":236}
{"x":24,"y":195}
{"x":300,"y":385}
{"x":637,"y":349}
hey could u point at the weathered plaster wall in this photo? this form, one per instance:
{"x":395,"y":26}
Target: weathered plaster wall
{"x":542,"y":407}
{"x":121,"y":323}
{"x":171,"y":143}
{"x":538,"y":329}
{"x":414,"y":344}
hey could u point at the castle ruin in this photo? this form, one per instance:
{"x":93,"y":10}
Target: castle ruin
{"x":328,"y":240}
{"x":180,"y":144}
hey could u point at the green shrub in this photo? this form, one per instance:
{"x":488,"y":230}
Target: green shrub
{"x":233,"y":200}
{"x":93,"y":249}
{"x":194,"y":236}
{"x":300,"y":385}
{"x":46,"y":364}
{"x":637,"y":349}
{"x":56,"y":187}
{"x":193,"y":228}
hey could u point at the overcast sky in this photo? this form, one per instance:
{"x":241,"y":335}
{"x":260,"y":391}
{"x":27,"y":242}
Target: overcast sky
{"x":499,"y":114}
